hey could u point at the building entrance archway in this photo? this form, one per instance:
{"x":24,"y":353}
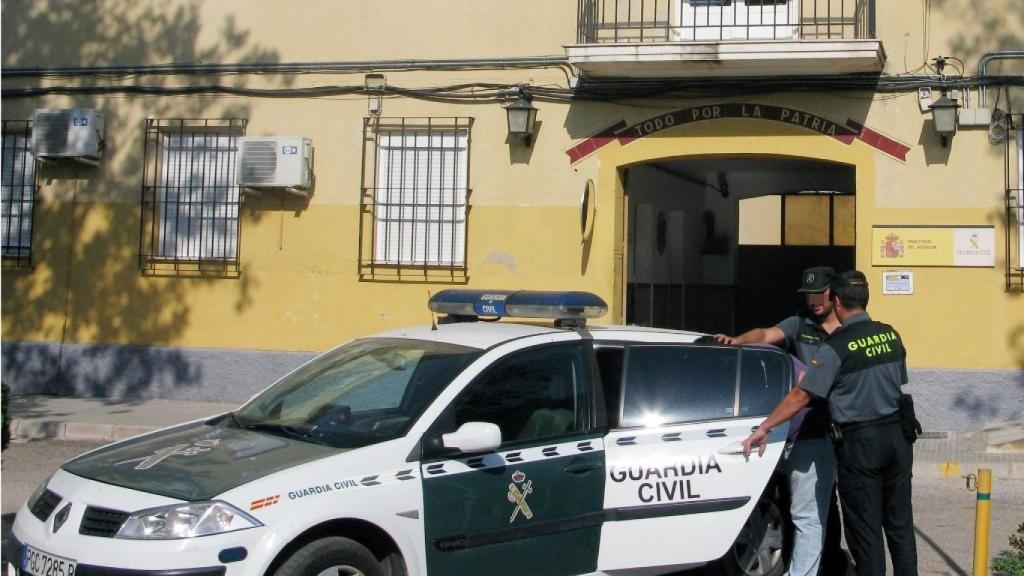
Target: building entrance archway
{"x":717,"y":243}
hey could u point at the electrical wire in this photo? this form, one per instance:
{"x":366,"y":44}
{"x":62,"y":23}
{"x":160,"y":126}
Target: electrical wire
{"x":616,"y":90}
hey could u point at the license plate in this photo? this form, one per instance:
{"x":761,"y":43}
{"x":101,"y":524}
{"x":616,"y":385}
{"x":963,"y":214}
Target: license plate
{"x":39,"y":563}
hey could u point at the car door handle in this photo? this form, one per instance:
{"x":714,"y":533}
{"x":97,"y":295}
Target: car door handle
{"x":581,"y":467}
{"x":734,"y":448}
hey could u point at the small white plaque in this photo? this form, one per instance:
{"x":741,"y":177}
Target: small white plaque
{"x":897,"y":282}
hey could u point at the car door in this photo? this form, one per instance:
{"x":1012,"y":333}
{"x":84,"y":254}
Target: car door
{"x":678,"y":489}
{"x":534,"y":506}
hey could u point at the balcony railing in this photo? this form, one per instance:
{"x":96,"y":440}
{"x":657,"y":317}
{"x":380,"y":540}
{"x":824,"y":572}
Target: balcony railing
{"x":638,"y":21}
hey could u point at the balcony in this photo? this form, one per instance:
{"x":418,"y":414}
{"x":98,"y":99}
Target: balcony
{"x":694,"y":38}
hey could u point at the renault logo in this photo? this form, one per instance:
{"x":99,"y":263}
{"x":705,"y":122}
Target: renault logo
{"x":61,"y":517}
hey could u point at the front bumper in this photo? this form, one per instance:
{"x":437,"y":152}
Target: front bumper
{"x":97,"y":552}
{"x":15,"y":547}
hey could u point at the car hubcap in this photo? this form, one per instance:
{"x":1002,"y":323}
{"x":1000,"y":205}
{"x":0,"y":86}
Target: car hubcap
{"x":758,"y":548}
{"x":341,"y":571}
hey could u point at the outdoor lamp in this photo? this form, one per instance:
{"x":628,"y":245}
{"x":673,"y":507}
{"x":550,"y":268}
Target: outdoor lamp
{"x":944,"y":117}
{"x":521,"y":119}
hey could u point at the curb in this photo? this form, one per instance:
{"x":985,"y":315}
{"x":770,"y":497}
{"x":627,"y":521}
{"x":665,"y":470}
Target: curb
{"x":75,"y":431}
{"x":956,"y":469}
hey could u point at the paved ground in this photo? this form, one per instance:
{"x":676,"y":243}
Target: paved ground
{"x":50,"y":430}
{"x":944,"y":509}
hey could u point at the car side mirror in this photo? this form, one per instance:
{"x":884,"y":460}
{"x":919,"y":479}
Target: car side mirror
{"x":473,"y":437}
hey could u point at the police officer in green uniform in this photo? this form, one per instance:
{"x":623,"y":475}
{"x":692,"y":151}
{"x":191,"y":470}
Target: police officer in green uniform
{"x":860,"y":370}
{"x":808,"y":458}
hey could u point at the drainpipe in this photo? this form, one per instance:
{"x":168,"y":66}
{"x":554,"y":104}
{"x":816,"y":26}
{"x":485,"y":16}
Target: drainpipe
{"x":985,"y":59}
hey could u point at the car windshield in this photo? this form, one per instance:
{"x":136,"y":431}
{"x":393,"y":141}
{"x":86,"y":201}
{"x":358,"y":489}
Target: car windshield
{"x":365,"y":392}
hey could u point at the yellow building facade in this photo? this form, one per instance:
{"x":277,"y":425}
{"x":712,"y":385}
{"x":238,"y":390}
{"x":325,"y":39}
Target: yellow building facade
{"x":689,"y":159}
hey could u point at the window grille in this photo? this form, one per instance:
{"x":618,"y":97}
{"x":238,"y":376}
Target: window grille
{"x":17,"y":207}
{"x":190,"y":200}
{"x":629,"y":21}
{"x":415,"y":198}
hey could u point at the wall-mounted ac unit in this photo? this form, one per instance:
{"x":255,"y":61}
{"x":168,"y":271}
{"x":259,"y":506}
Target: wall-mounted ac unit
{"x":275,"y":162}
{"x":70,"y":133}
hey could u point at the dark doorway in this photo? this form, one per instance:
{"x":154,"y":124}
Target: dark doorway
{"x":717,"y":244}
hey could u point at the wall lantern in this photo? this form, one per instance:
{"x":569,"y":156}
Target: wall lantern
{"x":521,"y":119}
{"x":944,"y":117}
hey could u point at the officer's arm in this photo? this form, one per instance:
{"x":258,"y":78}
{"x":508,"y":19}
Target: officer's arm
{"x":792,"y":402}
{"x":772,"y":335}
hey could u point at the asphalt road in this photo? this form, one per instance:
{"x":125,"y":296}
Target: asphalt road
{"x":943,"y":508}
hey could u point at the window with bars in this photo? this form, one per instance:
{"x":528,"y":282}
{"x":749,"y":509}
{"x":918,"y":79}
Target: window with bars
{"x":190,"y":200}
{"x":17,"y":205}
{"x":415,"y":197}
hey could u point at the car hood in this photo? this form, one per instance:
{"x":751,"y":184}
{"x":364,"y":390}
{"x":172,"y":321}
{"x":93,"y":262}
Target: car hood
{"x":195,"y":461}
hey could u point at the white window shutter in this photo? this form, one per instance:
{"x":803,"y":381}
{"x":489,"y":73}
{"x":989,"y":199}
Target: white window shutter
{"x":420,"y":200}
{"x":198,"y":217}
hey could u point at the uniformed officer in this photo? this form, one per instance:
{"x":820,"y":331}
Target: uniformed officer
{"x":808,"y":458}
{"x":860,"y":369}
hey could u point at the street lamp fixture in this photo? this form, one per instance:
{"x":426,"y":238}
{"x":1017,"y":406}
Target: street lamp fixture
{"x":944,"y":117}
{"x":522,"y":117}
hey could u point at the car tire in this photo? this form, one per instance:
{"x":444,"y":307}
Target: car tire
{"x":758,"y":549}
{"x":334,"y":556}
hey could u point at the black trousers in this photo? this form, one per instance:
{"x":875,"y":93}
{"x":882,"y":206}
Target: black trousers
{"x":874,"y":473}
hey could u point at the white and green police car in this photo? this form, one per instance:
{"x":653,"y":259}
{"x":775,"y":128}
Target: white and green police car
{"x":466,"y":447}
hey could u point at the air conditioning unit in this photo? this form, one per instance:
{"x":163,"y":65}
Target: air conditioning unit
{"x":75,"y":133}
{"x":275,"y":162}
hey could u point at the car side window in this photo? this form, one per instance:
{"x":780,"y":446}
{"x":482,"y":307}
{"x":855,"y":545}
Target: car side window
{"x":530,"y":395}
{"x":678,"y":384}
{"x":765,"y":378}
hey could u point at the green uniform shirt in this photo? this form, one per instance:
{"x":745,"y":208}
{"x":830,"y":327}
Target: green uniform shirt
{"x":859,"y":369}
{"x":804,"y":335}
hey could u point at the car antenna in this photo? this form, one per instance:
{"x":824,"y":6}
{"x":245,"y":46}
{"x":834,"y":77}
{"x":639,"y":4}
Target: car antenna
{"x":433,"y":323}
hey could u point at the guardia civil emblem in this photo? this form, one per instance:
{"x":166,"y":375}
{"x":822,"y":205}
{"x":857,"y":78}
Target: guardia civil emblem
{"x":518,"y":489}
{"x":809,"y":279}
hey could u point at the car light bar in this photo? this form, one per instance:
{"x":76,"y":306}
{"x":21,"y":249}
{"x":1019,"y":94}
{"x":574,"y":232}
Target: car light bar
{"x":518,"y":304}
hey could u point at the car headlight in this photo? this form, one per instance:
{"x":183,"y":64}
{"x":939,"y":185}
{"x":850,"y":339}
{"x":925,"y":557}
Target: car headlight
{"x":185,"y":521}
{"x":31,"y":502}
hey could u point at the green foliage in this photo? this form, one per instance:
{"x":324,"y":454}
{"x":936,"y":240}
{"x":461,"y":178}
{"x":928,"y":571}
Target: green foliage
{"x":1012,"y":561}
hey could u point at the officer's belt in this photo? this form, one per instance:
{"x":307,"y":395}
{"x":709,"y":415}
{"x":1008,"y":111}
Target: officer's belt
{"x":890,"y":419}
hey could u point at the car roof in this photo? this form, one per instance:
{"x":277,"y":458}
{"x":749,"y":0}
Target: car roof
{"x":485,"y":335}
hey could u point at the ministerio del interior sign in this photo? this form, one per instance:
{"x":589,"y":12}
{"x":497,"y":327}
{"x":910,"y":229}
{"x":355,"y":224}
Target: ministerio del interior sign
{"x":934,"y":246}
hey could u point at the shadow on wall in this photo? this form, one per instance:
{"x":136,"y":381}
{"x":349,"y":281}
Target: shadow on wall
{"x":86,"y":285}
{"x":991,"y":29}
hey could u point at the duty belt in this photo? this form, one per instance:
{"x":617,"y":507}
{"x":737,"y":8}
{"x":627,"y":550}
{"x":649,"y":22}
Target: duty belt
{"x":890,"y":419}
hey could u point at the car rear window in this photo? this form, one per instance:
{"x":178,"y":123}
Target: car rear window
{"x":676,"y":384}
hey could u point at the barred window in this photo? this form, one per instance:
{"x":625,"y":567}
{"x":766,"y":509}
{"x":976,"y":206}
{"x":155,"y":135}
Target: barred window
{"x":17,"y":205}
{"x":416,"y":189}
{"x":190,"y":200}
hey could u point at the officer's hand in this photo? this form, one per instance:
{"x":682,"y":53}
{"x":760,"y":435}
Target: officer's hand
{"x":759,"y":438}
{"x":723,"y":339}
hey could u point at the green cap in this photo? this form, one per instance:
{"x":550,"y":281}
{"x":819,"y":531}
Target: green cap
{"x":849,"y":278}
{"x":816,"y":279}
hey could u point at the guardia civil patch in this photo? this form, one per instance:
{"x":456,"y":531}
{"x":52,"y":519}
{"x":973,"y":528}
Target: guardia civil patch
{"x":518,"y":489}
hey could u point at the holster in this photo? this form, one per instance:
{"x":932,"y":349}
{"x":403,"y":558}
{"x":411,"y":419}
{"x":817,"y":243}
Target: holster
{"x":908,"y":420}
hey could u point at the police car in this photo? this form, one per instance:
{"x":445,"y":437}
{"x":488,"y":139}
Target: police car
{"x":463,"y":447}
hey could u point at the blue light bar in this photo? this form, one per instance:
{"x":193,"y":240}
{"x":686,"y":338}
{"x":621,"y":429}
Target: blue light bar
{"x":518,"y":304}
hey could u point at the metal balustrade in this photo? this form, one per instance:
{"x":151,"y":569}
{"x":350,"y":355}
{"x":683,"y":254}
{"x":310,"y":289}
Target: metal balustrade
{"x":646,"y":21}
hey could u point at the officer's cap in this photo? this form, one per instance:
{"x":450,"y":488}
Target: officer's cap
{"x":848,"y":278}
{"x":816,"y":279}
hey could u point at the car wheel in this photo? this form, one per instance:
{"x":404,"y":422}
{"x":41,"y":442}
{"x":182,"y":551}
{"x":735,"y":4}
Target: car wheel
{"x":758,"y":550}
{"x":334,"y":556}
